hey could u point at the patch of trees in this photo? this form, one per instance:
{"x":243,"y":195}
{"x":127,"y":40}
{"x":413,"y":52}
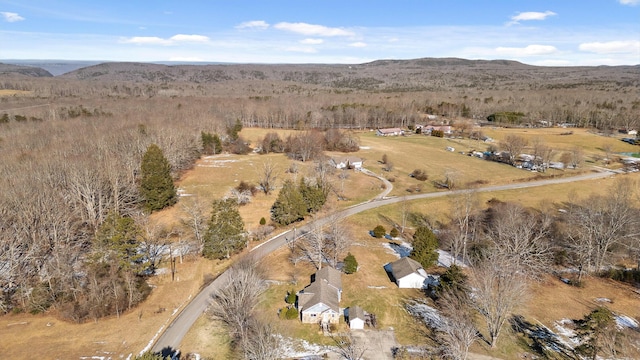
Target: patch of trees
{"x":508,"y":117}
{"x":326,"y":243}
{"x":294,"y":202}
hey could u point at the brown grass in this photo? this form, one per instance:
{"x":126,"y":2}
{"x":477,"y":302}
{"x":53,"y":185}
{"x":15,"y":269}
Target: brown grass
{"x":369,"y":288}
{"x":10,"y":92}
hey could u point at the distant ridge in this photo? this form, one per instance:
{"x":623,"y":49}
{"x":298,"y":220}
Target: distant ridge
{"x":6,"y":69}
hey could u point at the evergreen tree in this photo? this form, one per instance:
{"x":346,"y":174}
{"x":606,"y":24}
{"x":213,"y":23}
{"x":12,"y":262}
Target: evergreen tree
{"x":425,"y":244}
{"x":452,"y":280}
{"x":119,"y":237}
{"x":290,"y":206}
{"x":211,"y":144}
{"x":313,"y":195}
{"x":226,"y":233}
{"x":156,"y":184}
{"x":234,"y":130}
{"x":596,"y":332}
{"x":350,"y":264}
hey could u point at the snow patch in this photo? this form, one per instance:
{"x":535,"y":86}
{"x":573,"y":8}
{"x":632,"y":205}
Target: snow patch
{"x":603,"y":300}
{"x":445,"y":259}
{"x":426,"y":313}
{"x":298,"y":348}
{"x":624,"y":321}
{"x":402,"y":249}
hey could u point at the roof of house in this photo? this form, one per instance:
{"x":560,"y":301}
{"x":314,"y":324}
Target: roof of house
{"x":331,"y":275}
{"x":346,"y":159}
{"x":319,"y":292}
{"x":390,"y":130}
{"x":405,"y":266}
{"x":356,"y":312}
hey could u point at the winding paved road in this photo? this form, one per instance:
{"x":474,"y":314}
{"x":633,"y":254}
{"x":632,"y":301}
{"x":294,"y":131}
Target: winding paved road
{"x":171,"y":338}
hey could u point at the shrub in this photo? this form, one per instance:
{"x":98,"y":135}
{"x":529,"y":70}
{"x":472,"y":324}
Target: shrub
{"x":263,"y":221}
{"x":291,"y":313}
{"x":245,"y":186}
{"x":419,"y":174}
{"x":394,"y":233}
{"x":291,"y":297}
{"x":350,"y":264}
{"x":379,"y":231}
{"x":437,"y":133}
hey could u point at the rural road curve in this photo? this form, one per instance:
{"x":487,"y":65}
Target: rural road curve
{"x":171,"y":338}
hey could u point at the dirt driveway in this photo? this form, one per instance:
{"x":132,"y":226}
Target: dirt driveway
{"x":378,"y":344}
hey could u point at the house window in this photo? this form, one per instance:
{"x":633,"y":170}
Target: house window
{"x":313,"y":315}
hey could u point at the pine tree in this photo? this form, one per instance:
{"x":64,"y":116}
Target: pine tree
{"x":120,"y":236}
{"x":313,"y":195}
{"x":290,"y":206}
{"x":156,"y":184}
{"x":226,"y":233}
{"x":211,"y":144}
{"x":425,"y":244}
{"x":350,"y":264}
{"x":596,"y":331}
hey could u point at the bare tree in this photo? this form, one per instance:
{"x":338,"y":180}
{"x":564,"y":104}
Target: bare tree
{"x":313,"y":245}
{"x":462,"y":229}
{"x":513,"y":144}
{"x":195,"y":217}
{"x":264,"y":342}
{"x":338,"y":239}
{"x":541,"y":154}
{"x":348,"y":347}
{"x":236,"y":301}
{"x":519,"y":238}
{"x":498,"y":290}
{"x":595,"y":224}
{"x":456,"y":332}
{"x":267,"y":177}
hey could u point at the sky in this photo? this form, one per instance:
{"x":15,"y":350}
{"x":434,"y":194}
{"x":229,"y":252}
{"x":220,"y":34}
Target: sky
{"x":536,"y":32}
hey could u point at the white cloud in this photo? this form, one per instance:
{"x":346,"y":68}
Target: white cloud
{"x":11,"y":17}
{"x":146,"y":40}
{"x":189,"y":38}
{"x":358,"y":44}
{"x":530,"y":15}
{"x":302,"y":49}
{"x":611,"y":47}
{"x":154,"y":40}
{"x":312,"y":30}
{"x":311,"y":41}
{"x":530,"y":50}
{"x":255,"y":24}
{"x":630,"y":2}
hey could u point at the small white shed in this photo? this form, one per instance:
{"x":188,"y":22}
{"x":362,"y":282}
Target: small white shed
{"x":356,"y":318}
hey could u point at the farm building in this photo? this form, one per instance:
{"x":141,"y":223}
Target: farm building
{"x":347,"y":162}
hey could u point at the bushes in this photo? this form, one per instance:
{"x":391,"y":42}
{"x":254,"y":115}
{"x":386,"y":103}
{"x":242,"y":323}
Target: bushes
{"x":419,"y":174}
{"x":379,"y":231}
{"x":394,"y":233}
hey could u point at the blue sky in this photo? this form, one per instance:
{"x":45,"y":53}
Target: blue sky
{"x":552,"y":32}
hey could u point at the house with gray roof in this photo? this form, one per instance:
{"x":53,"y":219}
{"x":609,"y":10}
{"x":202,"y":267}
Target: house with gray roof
{"x":319,"y":302}
{"x":408,"y":273}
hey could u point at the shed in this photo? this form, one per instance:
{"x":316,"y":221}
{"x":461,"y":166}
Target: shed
{"x":408,"y":273}
{"x":356,"y":318}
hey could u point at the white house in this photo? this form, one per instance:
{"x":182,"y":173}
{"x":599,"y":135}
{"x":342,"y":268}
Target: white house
{"x":356,"y":318}
{"x":408,"y":273}
{"x":319,"y":302}
{"x":347,"y":162}
{"x":389,"y":132}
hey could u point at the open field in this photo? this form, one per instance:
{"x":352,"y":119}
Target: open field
{"x":370,"y":287}
{"x":10,"y":92}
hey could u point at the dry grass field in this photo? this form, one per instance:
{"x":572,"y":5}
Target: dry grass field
{"x":370,"y":288}
{"x":10,"y":92}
